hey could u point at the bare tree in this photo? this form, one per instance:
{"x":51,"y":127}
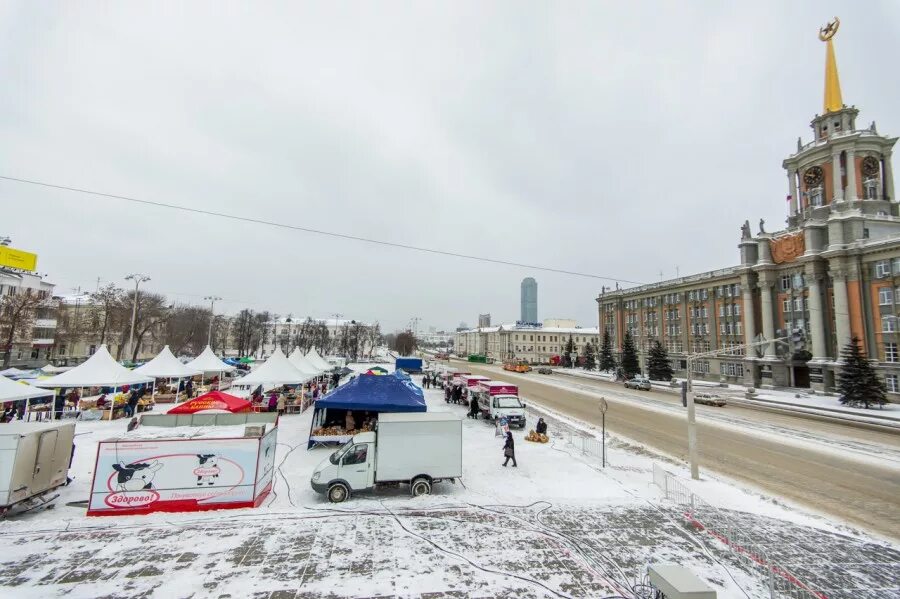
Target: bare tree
{"x":405,"y":343}
{"x":104,"y":304}
{"x":17,"y":313}
{"x":187,"y":328}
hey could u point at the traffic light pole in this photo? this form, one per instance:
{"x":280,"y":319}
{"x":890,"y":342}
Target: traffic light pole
{"x":692,"y":420}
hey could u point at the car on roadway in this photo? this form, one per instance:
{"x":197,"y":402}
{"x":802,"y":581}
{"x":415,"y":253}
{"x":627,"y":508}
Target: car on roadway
{"x":640,"y":383}
{"x":545,"y":370}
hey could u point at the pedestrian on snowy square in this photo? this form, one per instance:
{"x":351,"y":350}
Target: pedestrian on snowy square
{"x":447,"y":394}
{"x":273,"y":401}
{"x":473,"y":408}
{"x":509,"y":450}
{"x":541,"y":427}
{"x":424,"y":382}
{"x":189,"y":388}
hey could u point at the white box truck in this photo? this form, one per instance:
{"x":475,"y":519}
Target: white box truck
{"x":497,"y":400}
{"x":34,"y":460}
{"x":418,"y":449}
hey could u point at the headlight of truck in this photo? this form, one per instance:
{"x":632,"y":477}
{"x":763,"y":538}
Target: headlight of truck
{"x":315,"y":476}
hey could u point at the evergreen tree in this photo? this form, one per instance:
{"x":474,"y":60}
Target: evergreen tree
{"x":658,"y":363}
{"x":607,"y":361}
{"x":857,"y":382}
{"x":567,"y":353}
{"x":630,"y":365}
{"x":590,"y":359}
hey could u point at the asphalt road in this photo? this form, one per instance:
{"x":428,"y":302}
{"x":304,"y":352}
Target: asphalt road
{"x":828,"y":471}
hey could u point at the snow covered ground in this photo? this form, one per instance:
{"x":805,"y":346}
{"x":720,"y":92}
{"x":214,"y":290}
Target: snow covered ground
{"x":558,"y":525}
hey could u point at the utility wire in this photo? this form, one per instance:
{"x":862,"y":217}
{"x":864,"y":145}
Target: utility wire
{"x":259,"y":221}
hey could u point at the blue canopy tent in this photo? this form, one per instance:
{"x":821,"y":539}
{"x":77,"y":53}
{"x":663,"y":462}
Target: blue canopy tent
{"x":401,"y":374}
{"x":363,"y":394}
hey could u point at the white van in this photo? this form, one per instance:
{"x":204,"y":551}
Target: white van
{"x":497,"y":399}
{"x":419,"y":449}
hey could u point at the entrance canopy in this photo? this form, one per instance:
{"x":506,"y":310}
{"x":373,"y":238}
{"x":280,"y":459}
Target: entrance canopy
{"x":165,"y":366}
{"x":214,"y":400}
{"x":208,"y":362}
{"x":277,"y":370}
{"x":376,"y":394}
{"x":100,"y":370}
{"x":13,"y":391}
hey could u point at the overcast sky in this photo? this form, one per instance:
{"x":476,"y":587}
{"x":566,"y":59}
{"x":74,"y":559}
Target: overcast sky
{"x":619,"y":139}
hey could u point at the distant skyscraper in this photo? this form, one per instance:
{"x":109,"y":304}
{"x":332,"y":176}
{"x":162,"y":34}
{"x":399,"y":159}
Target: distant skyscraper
{"x":484,"y":320}
{"x":529,"y":300}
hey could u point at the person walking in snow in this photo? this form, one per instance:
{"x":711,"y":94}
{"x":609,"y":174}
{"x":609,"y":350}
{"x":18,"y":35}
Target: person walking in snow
{"x":473,"y":408}
{"x":447,"y":394}
{"x":509,"y":450}
{"x":425,"y":382}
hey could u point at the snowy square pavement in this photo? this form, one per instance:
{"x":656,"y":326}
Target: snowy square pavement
{"x":556,"y":526}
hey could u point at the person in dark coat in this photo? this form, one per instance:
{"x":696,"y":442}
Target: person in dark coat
{"x":541,"y":427}
{"x":457,"y":394}
{"x":425,"y":382}
{"x":509,"y":450}
{"x":473,"y":408}
{"x":189,"y":388}
{"x":447,"y":394}
{"x":131,"y":406}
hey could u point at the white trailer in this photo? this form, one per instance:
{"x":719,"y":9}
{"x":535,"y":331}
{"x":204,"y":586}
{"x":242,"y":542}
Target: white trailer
{"x":34,"y":460}
{"x":419,"y":449}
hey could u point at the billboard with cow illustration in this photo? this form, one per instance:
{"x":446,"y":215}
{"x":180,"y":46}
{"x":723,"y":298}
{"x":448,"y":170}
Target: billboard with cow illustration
{"x":141,"y":476}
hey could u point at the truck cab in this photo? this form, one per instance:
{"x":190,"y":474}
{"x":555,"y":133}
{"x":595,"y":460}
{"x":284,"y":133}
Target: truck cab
{"x":497,"y":400}
{"x":353,"y":465}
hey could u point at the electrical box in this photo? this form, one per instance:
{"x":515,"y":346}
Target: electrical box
{"x":678,"y":582}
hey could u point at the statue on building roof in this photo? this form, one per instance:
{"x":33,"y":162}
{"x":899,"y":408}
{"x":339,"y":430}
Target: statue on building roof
{"x":762,"y":226}
{"x":745,"y":230}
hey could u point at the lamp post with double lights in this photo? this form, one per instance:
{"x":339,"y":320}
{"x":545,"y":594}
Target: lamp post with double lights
{"x":138,"y":279}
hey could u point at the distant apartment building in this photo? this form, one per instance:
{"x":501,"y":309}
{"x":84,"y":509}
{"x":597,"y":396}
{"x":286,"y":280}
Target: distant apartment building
{"x":31,"y":345}
{"x":535,"y":344}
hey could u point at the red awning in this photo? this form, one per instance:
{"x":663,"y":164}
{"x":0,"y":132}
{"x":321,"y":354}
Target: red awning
{"x":214,"y":400}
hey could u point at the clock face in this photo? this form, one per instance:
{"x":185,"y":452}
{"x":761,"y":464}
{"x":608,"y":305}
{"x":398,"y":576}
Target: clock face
{"x":870,"y":166}
{"x":813,"y":176}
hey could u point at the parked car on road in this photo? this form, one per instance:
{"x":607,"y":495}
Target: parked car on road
{"x":640,"y":383}
{"x":545,"y":370}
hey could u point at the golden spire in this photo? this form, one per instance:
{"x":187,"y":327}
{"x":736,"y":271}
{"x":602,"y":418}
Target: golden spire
{"x":833,"y":101}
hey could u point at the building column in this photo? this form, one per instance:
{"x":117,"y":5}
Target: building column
{"x":837,"y":188}
{"x":792,"y":189}
{"x":851,"y":176}
{"x":816,"y":317}
{"x":888,"y":188}
{"x":768,"y":317}
{"x":841,"y":310}
{"x":749,"y":315}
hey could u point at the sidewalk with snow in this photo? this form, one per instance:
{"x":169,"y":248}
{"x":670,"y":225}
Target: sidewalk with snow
{"x":559,"y":525}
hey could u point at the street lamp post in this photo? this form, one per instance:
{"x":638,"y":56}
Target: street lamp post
{"x":336,"y":316}
{"x":212,"y":304}
{"x":138,"y":279}
{"x":603,"y":407}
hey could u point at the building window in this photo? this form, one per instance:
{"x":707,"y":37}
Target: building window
{"x":893,"y":384}
{"x":895,"y":264}
{"x":888,"y":324}
{"x":890,"y":352}
{"x":815,"y":196}
{"x":882,"y":269}
{"x":737,"y":328}
{"x":798,"y":304}
{"x":786,"y":306}
{"x":870,"y":189}
{"x":785,"y":282}
{"x":885,"y":296}
{"x":737,"y":309}
{"x":62,"y":350}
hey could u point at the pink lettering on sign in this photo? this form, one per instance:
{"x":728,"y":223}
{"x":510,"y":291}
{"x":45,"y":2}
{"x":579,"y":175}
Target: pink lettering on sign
{"x":201,"y":471}
{"x":132,"y":499}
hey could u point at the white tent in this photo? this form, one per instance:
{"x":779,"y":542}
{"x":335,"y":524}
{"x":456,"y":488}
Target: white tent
{"x":277,"y":370}
{"x":208,"y":362}
{"x":100,"y":370}
{"x":167,"y":366}
{"x":302,"y":364}
{"x":13,"y":391}
{"x":51,"y":369}
{"x":316,"y":360}
{"x":13,"y":372}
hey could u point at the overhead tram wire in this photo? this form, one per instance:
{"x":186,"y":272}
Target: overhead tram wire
{"x":259,"y":221}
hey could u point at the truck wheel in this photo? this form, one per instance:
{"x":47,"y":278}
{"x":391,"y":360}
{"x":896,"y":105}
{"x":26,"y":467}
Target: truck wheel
{"x":338,"y":492}
{"x":420,"y":486}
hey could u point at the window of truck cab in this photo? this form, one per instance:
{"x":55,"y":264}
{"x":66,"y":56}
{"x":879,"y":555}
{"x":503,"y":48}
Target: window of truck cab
{"x":507,"y":401}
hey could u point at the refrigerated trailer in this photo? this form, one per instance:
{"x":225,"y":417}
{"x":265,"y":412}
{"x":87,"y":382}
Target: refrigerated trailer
{"x":414,"y":448}
{"x":34,"y":460}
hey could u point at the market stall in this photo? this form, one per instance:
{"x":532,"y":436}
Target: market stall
{"x":316,"y":360}
{"x":209,"y":365}
{"x":11,"y":391}
{"x":100,"y":370}
{"x":354,"y":407}
{"x":214,"y":400}
{"x":274,"y":372}
{"x":185,"y":463}
{"x":303,"y":365}
{"x":167,"y":366}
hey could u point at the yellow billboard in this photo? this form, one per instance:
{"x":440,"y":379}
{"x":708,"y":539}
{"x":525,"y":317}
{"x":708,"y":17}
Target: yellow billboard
{"x":14,"y":258}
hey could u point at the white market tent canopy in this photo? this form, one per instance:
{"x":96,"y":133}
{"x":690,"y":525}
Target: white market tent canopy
{"x":13,"y":391}
{"x":51,"y":369}
{"x":100,"y":370}
{"x":14,"y":372}
{"x":316,"y":360}
{"x":277,"y":370}
{"x":302,"y":364}
{"x":208,"y":362}
{"x":167,"y":366}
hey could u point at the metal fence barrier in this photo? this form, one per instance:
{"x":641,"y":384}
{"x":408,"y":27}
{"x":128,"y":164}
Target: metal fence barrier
{"x":708,"y":518}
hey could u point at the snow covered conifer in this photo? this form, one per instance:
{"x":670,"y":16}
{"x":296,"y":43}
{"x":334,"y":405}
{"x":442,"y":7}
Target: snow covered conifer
{"x":590,"y":360}
{"x":858,"y":383}
{"x":607,"y":361}
{"x":658,"y":364}
{"x":630,"y":364}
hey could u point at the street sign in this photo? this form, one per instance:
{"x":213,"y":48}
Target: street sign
{"x":20,"y":259}
{"x":603,"y":405}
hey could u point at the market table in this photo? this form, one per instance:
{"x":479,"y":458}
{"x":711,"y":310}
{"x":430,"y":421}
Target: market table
{"x":321,"y":440}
